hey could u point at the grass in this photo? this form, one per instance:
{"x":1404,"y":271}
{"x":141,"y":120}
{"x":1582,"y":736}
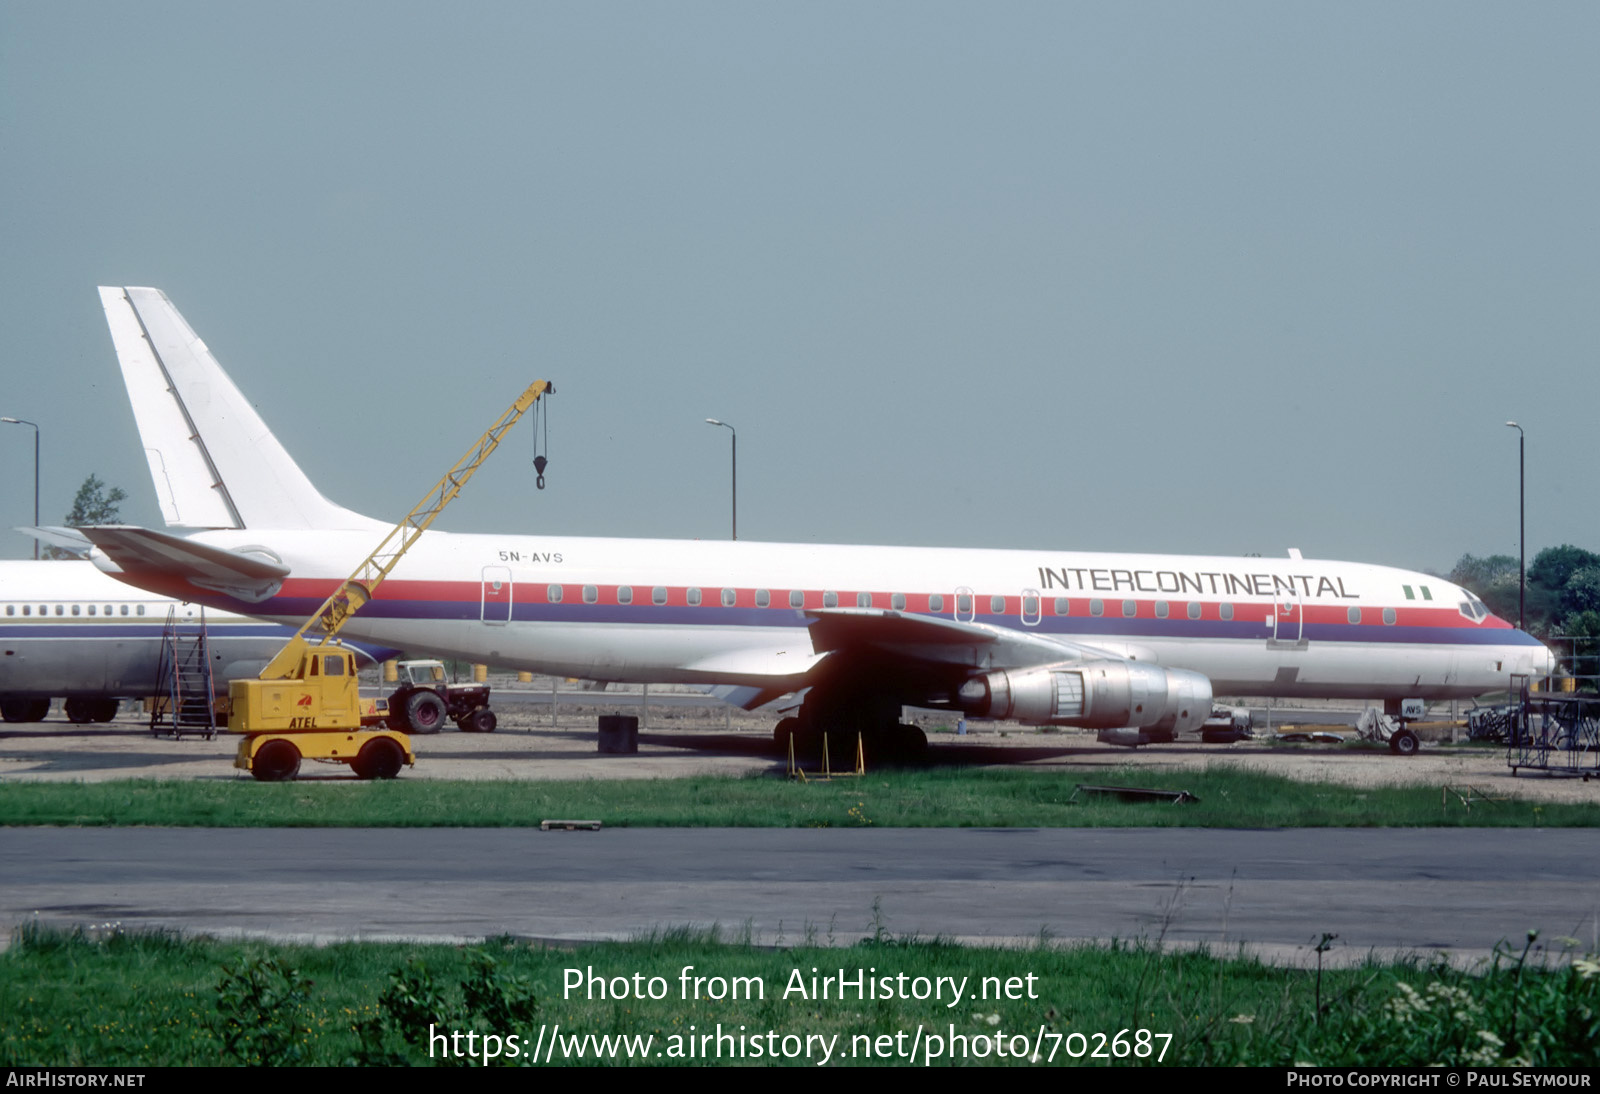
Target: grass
{"x":945,"y":797}
{"x":124,"y":1000}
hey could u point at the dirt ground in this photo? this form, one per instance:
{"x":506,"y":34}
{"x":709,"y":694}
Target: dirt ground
{"x":680,"y":740}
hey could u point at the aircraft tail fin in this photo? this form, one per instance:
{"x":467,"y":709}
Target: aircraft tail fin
{"x":214,"y":462}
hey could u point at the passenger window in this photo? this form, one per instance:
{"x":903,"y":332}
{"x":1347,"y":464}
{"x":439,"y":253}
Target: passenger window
{"x":11,"y":609}
{"x":1226,"y":611}
{"x":1389,"y":616}
{"x":138,"y":609}
{"x":624,"y":594}
{"x":1030,"y":606}
{"x":658,"y":595}
{"x":830,"y":600}
{"x":1130,"y":609}
{"x":62,"y":611}
{"x":590,"y":594}
{"x":1194,"y":609}
{"x":797,"y":599}
{"x":936,"y":603}
{"x":91,"y":609}
{"x":1354,"y":615}
{"x":693,"y":597}
{"x":1161,"y":609}
{"x":997,"y":605}
{"x":27,"y":609}
{"x":1097,"y":608}
{"x":898,"y":602}
{"x":863,"y":600}
{"x":1063,"y":606}
{"x":729,"y":598}
{"x":553,"y":594}
{"x":108,"y":609}
{"x":963,"y":604}
{"x":763,"y":598}
{"x":124,"y":610}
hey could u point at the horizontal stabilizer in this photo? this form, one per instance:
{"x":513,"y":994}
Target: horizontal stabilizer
{"x":142,"y":551}
{"x":65,"y":539}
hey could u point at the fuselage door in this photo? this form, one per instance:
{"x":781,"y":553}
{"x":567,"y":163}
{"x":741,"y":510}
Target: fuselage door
{"x":1031,"y":610}
{"x":495,"y":607}
{"x":1288,"y":620}
{"x":966,"y":605}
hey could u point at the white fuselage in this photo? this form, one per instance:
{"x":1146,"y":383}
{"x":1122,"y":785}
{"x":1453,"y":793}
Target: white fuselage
{"x":739,"y":613}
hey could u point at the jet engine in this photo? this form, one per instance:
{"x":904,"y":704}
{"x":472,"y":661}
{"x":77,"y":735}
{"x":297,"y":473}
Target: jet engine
{"x":1094,"y":694}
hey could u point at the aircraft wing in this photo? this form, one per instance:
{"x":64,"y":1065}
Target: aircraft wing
{"x":893,"y":639}
{"x":178,"y":562}
{"x":941,"y":641}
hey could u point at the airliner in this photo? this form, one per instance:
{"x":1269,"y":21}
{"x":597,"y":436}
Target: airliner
{"x":1097,"y":639}
{"x":70,"y":632}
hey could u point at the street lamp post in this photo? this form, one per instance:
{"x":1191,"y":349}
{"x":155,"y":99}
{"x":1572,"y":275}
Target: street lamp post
{"x":735,"y":432}
{"x":19,"y":421}
{"x":1522,"y":526}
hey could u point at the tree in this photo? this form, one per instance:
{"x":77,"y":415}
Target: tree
{"x":1552,"y":567}
{"x":1493,"y":579}
{"x":93,"y":505}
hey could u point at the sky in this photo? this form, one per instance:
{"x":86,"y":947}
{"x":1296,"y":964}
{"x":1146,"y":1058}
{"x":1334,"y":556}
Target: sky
{"x":1218,"y":278}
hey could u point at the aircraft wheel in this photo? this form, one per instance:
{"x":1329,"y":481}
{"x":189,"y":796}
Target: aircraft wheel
{"x":379,"y":758}
{"x":275,"y":762}
{"x":24,"y":710}
{"x":913,"y":742}
{"x":785,"y":729}
{"x":1404,"y":743}
{"x":425,"y":712}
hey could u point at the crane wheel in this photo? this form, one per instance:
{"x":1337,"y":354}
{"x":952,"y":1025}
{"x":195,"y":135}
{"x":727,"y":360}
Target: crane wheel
{"x":379,"y":758}
{"x":275,"y":762}
{"x":425,"y":712}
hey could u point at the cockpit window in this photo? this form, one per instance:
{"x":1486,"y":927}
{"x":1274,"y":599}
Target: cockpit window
{"x":1473,"y":608}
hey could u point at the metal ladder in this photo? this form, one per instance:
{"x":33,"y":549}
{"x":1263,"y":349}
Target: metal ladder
{"x":184,"y":701}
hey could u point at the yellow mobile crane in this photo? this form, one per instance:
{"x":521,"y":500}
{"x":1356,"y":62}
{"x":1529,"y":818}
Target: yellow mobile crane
{"x":306,"y":702}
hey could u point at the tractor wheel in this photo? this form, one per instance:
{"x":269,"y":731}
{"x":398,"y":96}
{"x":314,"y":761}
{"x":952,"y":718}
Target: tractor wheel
{"x":425,"y":712}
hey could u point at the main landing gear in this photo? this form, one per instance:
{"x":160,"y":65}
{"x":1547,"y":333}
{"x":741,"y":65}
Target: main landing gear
{"x":843,"y":719}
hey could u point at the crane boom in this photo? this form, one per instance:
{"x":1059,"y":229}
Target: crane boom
{"x":359,"y":587}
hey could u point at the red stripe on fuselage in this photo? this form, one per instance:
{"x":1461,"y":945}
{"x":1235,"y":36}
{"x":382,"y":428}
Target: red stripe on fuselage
{"x":537,"y":592}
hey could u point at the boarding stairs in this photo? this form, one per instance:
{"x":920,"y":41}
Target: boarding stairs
{"x":185,"y":700}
